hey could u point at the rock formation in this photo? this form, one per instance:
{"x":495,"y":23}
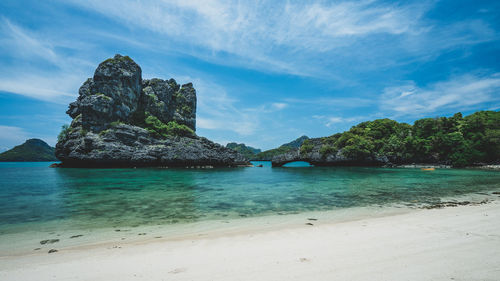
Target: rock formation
{"x":121,"y":120}
{"x":312,"y":153}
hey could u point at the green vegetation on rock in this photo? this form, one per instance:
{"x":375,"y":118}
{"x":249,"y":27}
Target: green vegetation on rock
{"x":247,"y":151}
{"x":172,"y":128}
{"x":65,"y":130}
{"x":457,"y":140}
{"x":287,"y":147}
{"x":306,"y":147}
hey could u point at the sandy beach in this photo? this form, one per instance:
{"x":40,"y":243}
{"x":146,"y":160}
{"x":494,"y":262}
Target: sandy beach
{"x":455,"y":243}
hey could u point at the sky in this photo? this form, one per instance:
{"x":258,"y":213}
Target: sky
{"x":266,"y":72}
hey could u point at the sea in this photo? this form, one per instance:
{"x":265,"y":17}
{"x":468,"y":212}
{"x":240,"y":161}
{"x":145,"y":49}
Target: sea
{"x":85,"y":207}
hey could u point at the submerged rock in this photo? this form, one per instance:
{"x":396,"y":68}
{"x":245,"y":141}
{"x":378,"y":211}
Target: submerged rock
{"x":120,"y":120}
{"x":49,"y":241}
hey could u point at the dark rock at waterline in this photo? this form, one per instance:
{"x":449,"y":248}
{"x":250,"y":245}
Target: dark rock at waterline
{"x":76,"y":236}
{"x":53,"y":251}
{"x":49,"y":241}
{"x":441,"y":205}
{"x":121,"y":120}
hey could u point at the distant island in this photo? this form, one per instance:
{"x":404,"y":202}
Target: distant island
{"x":122,"y":120}
{"x":247,"y":151}
{"x":255,"y":154}
{"x":284,"y":148}
{"x":33,"y":150}
{"x":455,"y":141}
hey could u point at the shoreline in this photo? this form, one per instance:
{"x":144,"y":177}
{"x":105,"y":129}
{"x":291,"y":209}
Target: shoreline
{"x":28,"y":242}
{"x":464,"y":239}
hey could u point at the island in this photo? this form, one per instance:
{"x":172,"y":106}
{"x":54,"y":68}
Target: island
{"x":284,"y":148}
{"x":33,"y":150}
{"x":122,"y":120}
{"x":456,"y":141}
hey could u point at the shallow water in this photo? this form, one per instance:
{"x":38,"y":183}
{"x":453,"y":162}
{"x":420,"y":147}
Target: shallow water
{"x":33,"y":196}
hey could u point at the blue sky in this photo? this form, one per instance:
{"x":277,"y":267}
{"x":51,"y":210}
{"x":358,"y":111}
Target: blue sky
{"x":265,"y":72}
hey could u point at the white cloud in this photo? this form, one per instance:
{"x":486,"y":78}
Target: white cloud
{"x":344,"y":102}
{"x":11,"y":136}
{"x":61,"y":89}
{"x":460,"y":93}
{"x":279,"y":105}
{"x":38,"y":71}
{"x":24,"y":44}
{"x":262,"y":34}
{"x":217,"y":111}
{"x":10,"y":133}
{"x":337,"y":121}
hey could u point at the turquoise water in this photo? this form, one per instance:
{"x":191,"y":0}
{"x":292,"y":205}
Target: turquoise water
{"x":31,"y":194}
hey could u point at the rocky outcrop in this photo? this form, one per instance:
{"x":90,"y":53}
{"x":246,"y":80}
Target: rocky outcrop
{"x":121,"y":120}
{"x":311,"y":153}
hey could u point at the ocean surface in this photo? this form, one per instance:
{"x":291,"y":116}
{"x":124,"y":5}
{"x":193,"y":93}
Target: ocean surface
{"x":36,"y":197}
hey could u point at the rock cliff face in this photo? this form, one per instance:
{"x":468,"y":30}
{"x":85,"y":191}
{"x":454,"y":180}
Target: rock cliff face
{"x":312,"y":153}
{"x":119,"y":119}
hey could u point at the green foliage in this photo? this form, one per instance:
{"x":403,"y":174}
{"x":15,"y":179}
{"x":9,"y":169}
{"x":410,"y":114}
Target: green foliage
{"x":186,"y":110}
{"x":327,"y":149}
{"x":306,"y":147}
{"x":31,"y":150}
{"x":172,"y":128}
{"x":287,"y":147}
{"x":297,"y":142}
{"x":65,"y":130}
{"x":103,"y":96}
{"x":103,"y":132}
{"x":269,"y":154}
{"x":113,"y":60}
{"x":455,"y":140}
{"x":116,"y":123}
{"x":247,"y":151}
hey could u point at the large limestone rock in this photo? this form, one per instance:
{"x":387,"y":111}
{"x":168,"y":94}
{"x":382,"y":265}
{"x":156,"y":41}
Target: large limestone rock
{"x":121,"y":120}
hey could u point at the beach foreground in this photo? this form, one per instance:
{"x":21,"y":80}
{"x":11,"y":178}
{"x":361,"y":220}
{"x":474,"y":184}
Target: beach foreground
{"x":458,"y":243}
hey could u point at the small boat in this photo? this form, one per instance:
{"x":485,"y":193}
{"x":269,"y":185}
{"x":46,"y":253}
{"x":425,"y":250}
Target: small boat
{"x":428,"y":169}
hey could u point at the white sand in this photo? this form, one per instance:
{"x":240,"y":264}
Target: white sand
{"x":461,"y":243}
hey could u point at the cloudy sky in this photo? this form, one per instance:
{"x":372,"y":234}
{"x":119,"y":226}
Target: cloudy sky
{"x":265,"y":72}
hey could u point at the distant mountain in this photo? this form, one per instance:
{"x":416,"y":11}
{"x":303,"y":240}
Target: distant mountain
{"x":296,"y":143}
{"x":247,"y":151}
{"x":33,"y":150}
{"x":284,"y":148}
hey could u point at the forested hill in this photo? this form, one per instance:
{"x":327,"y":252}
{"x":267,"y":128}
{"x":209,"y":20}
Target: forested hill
{"x":32,"y":150}
{"x":457,"y":140}
{"x":284,"y":148}
{"x":247,"y":151}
